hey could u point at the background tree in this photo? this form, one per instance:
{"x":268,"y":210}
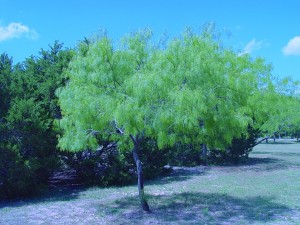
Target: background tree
{"x":278,"y":108}
{"x":6,"y":69}
{"x":29,"y":141}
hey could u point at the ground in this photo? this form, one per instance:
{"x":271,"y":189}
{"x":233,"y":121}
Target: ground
{"x":265,"y":190}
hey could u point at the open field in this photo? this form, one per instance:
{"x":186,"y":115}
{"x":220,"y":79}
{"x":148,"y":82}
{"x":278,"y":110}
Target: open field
{"x":265,"y":190}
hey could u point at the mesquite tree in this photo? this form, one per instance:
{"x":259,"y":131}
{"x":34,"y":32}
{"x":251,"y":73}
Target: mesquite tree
{"x":191,"y":91}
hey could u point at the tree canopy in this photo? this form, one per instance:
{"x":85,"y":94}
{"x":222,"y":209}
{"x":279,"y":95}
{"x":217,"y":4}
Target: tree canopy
{"x":163,"y":93}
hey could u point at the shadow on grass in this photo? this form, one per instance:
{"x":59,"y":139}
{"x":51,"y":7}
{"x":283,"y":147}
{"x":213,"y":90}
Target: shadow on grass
{"x":283,"y":142}
{"x":253,"y":161}
{"x":61,"y":193}
{"x":196,"y":208}
{"x":277,"y":153}
{"x":256,"y":164}
{"x":179,"y":174}
{"x":274,"y":160}
{"x":267,"y":164}
{"x":293,"y":154}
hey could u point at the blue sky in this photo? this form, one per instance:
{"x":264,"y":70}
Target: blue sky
{"x":266,"y":28}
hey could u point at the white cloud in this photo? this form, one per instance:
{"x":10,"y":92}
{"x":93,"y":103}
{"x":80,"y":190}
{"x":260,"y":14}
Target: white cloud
{"x":16,"y":30}
{"x":251,"y":46}
{"x":293,"y":47}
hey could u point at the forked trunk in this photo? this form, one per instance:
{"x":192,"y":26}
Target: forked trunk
{"x":137,"y":141}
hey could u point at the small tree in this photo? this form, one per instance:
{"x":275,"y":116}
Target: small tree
{"x":191,"y":92}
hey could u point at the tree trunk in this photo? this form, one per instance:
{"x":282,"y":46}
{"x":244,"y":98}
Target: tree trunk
{"x":203,"y":146}
{"x":204,"y":153}
{"x":136,"y":141}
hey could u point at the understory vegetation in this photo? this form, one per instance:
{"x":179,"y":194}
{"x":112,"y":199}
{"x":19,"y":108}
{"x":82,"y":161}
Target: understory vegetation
{"x":115,"y":112}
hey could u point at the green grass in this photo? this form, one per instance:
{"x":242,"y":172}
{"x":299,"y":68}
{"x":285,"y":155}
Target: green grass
{"x":265,"y":190}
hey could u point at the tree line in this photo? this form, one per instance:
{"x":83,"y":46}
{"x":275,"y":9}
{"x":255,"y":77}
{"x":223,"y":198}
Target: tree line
{"x":115,"y":112}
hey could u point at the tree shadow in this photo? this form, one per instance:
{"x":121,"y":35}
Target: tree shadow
{"x":52,"y":194}
{"x":198,"y":208}
{"x":252,"y":161}
{"x":279,"y":142}
{"x":179,"y":174}
{"x":256,"y":164}
{"x":261,"y":152}
{"x":274,"y":160}
{"x":293,"y":154}
{"x":265,"y":164}
{"x":282,"y":153}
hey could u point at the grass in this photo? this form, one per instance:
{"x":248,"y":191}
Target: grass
{"x":264,"y":190}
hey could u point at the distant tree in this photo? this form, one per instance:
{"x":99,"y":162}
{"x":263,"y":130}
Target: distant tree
{"x":194,"y":91}
{"x":279,"y":110}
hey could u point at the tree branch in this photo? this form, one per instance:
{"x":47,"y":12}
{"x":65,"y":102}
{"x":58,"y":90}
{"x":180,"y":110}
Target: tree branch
{"x":119,"y":130}
{"x":257,"y":143}
{"x":133,"y":139}
{"x":92,"y":132}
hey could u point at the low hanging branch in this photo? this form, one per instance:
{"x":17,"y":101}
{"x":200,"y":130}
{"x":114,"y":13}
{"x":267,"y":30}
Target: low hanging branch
{"x":257,"y":143}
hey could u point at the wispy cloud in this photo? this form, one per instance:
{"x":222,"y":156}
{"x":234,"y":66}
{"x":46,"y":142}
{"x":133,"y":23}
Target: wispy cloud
{"x":251,"y":46}
{"x":292,"y":47}
{"x":16,"y":30}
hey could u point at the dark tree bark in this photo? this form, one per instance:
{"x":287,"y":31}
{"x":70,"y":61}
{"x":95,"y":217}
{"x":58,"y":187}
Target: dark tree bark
{"x":137,"y":141}
{"x":204,"y":153}
{"x":264,"y":139}
{"x":203,"y":146}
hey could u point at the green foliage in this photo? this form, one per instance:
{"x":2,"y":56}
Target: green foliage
{"x":27,"y":123}
{"x":100,"y":168}
{"x":238,"y":150}
{"x":184,"y":155}
{"x":5,"y":73}
{"x":280,"y":108}
{"x":16,"y":175}
{"x":162,"y":93}
{"x":241,"y":147}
